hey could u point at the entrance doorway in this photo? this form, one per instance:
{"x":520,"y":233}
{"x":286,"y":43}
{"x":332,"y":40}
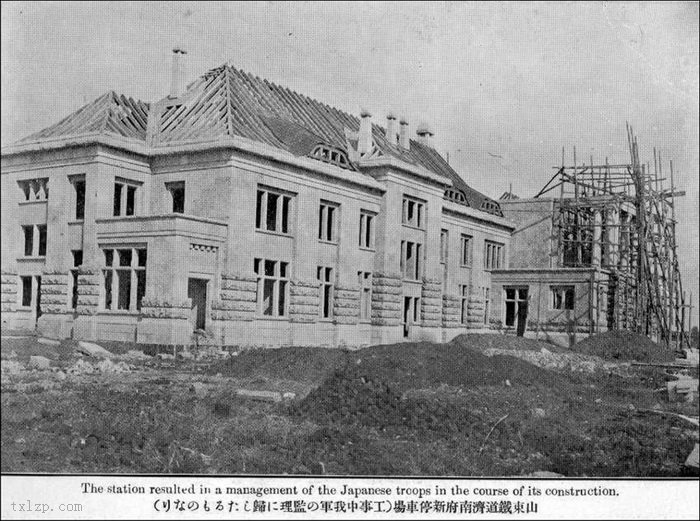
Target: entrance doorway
{"x":197,"y":291}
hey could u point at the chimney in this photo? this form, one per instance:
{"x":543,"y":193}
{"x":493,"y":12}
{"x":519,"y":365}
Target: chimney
{"x":176,"y":79}
{"x":425,"y":135}
{"x":391,"y":129}
{"x":404,"y":139}
{"x":364,"y":137}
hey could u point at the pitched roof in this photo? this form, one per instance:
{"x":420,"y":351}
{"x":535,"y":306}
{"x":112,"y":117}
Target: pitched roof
{"x":227,"y":102}
{"x":108,"y":114}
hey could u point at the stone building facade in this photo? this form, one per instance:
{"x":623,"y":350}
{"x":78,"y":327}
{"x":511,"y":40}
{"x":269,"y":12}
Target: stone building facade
{"x":246,"y":210}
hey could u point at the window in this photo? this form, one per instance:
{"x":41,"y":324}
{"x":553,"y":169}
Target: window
{"x":411,"y":260}
{"x":273,"y":282}
{"x":77,"y":262}
{"x":464,"y":303}
{"x":443,"y":246}
{"x":413,"y":213}
{"x":493,"y":255}
{"x":41,"y":229}
{"x":515,"y":298}
{"x":324,"y":276}
{"x":466,"y":250}
{"x":124,"y":277}
{"x":411,"y":313}
{"x":28,"y":232}
{"x":35,"y":189}
{"x":327,"y":221}
{"x":79,"y":188}
{"x":177,"y":193}
{"x":124,"y":197}
{"x":272,"y":211}
{"x":562,"y":297}
{"x":331,"y":155}
{"x":366,"y":229}
{"x":365,"y":281}
{"x":487,"y":304}
{"x":26,"y":291}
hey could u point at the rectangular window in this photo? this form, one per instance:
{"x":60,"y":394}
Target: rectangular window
{"x":272,"y":211}
{"x":487,"y":304}
{"x":41,"y":228}
{"x":273,"y":282}
{"x":324,"y":275}
{"x":413,"y":212}
{"x":124,"y":198}
{"x":443,"y":245}
{"x":411,"y":260}
{"x":79,"y":187}
{"x":466,"y":250}
{"x":514,"y":299}
{"x":464,"y":302}
{"x":28,"y":240}
{"x":365,"y":282}
{"x":366,"y":229}
{"x":177,"y":195}
{"x":124,"y":276}
{"x":26,"y":291}
{"x":562,"y":297}
{"x":493,"y":255}
{"x":327,"y":221}
{"x":35,"y":189}
{"x":77,"y":262}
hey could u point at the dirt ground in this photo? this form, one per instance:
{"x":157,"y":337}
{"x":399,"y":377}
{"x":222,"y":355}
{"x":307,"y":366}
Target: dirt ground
{"x":481,"y":405}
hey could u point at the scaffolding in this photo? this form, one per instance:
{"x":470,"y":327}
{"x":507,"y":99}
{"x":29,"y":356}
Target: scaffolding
{"x":621,"y":219}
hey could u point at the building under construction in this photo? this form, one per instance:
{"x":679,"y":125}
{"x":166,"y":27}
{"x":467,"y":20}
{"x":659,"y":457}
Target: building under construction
{"x":595,"y":250}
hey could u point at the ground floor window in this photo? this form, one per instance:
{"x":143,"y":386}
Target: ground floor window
{"x":515,"y":303}
{"x":487,"y":304}
{"x":324,"y":276}
{"x":273,"y":285}
{"x":26,"y":291}
{"x":365,"y":280}
{"x":411,"y":313}
{"x":124,"y":278}
{"x":77,"y":262}
{"x":464,"y":302}
{"x":562,"y":297}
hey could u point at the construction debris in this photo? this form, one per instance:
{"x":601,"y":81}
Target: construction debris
{"x":90,"y":349}
{"x":40,"y":363}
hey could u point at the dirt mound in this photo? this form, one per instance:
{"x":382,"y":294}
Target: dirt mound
{"x":624,"y":346}
{"x":310,"y":364}
{"x":483,"y":341}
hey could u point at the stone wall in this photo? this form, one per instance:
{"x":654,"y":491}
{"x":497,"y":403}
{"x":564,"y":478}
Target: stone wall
{"x":346,"y":305}
{"x":8,"y":291}
{"x":237,"y":298}
{"x":386,"y":299}
{"x":431,"y":303}
{"x":89,"y":281}
{"x":475,"y":311}
{"x":450,"y":311}
{"x":54,"y":292}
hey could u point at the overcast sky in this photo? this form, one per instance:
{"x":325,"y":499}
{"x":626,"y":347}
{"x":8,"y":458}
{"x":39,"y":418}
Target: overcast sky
{"x":503,"y":85}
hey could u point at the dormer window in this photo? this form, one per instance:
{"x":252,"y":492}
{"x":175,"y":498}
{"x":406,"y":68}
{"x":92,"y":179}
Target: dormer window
{"x":332,"y":155}
{"x":491,"y":207}
{"x":456,"y":195}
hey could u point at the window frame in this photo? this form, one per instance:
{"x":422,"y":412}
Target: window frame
{"x":125,"y":185}
{"x":328,"y":222}
{"x":115,"y":269}
{"x":75,"y":181}
{"x":494,"y":257}
{"x":172,"y":187}
{"x":261,"y":214}
{"x":367,"y":230}
{"x":412,"y":269}
{"x":280,"y":279}
{"x":35,"y":189}
{"x":561,"y":290}
{"x":325,"y":276}
{"x":364,"y":279}
{"x":417,"y":220}
{"x":466,"y":249}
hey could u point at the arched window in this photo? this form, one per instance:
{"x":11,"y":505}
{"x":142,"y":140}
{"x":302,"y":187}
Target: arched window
{"x":332,"y":155}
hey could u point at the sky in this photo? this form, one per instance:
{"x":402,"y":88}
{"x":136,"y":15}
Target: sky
{"x":504,"y":86}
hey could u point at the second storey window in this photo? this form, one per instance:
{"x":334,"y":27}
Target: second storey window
{"x":177,"y":195}
{"x":413,"y":212}
{"x":34,"y":240}
{"x":366,"y":229}
{"x":273,"y":280}
{"x":493,"y":255}
{"x":466,"y":250}
{"x":124,"y":277}
{"x":35,"y":189}
{"x":327,"y":221}
{"x":79,"y":193}
{"x":273,"y":211}
{"x":124,"y":197}
{"x":324,"y":275}
{"x":411,"y":260}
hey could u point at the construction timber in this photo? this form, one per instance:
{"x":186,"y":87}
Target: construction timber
{"x":621,"y":219}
